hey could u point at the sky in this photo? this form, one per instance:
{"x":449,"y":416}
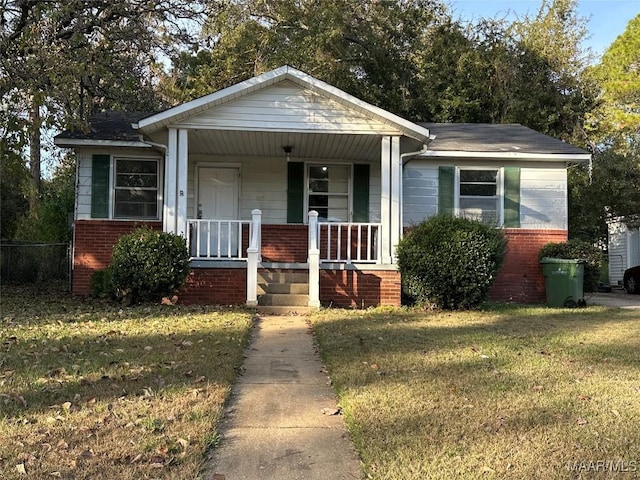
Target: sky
{"x":607,"y":18}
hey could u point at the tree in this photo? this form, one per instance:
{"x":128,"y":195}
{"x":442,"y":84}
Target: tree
{"x":61,"y":61}
{"x":610,"y":186}
{"x":371,"y":52}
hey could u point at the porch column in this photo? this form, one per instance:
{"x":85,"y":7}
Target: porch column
{"x":390,"y":197}
{"x":396,"y":189}
{"x":182,"y":170}
{"x":385,"y":200}
{"x":170,"y":178}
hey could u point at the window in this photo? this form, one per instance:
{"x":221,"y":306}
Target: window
{"x":328,"y":191}
{"x":479,"y":195}
{"x":136,"y":188}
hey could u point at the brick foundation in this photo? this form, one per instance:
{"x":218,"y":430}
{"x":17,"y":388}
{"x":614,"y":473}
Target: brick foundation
{"x":285,"y":243}
{"x":93,"y":244}
{"x":520,"y":278}
{"x":215,"y":286}
{"x":359,"y":288}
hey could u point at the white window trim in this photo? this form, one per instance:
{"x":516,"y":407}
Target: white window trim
{"x":349,"y":187}
{"x":499,"y":189}
{"x":112,"y":187}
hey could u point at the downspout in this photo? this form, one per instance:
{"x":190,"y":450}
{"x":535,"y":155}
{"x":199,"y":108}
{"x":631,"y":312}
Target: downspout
{"x":404,"y":159}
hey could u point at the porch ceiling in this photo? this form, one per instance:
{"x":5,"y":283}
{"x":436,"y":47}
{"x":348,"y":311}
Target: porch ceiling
{"x":269,"y":144}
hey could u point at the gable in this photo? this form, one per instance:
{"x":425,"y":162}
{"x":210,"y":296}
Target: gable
{"x":287,"y":107}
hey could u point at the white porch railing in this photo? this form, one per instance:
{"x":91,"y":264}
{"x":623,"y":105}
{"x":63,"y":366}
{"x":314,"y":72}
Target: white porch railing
{"x":254,"y":256}
{"x":218,"y":239}
{"x":349,"y":242}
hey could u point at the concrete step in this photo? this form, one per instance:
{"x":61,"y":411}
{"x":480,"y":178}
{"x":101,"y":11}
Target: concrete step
{"x":283,"y":310}
{"x":297,"y":288}
{"x":266,"y":276}
{"x":283,"y":299}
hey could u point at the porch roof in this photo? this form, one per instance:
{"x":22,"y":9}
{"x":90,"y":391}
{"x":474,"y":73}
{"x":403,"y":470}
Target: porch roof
{"x":181,"y":114}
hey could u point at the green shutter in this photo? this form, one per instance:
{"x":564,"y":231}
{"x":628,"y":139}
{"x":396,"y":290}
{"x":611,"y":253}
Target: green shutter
{"x":100,"y":186}
{"x":512,"y":197}
{"x":446,"y":190}
{"x":295,"y":192}
{"x":361,"y":192}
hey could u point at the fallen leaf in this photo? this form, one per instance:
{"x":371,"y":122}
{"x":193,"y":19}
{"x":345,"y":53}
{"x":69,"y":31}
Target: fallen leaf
{"x":581,"y":421}
{"x":218,"y":476}
{"x":182,"y":442}
{"x":584,"y":397}
{"x":615,"y":412}
{"x":66,"y":406}
{"x":537,"y":388}
{"x":136,"y":458}
{"x":331,"y":411}
{"x":20,"y":469}
{"x":87,"y":453}
{"x":56,"y":474}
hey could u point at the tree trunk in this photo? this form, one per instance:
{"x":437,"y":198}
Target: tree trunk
{"x":34,"y":156}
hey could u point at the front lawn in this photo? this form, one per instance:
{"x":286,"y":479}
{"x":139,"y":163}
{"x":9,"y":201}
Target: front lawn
{"x":93,"y":390}
{"x":508,"y":392}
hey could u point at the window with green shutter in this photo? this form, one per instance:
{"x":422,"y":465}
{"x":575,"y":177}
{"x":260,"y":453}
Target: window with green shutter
{"x":100,"y":166}
{"x":446,"y":190}
{"x":361,"y":192}
{"x":295,"y":192}
{"x":512,"y":197}
{"x":489,"y":195}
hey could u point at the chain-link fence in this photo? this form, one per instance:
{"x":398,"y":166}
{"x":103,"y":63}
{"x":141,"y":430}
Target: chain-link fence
{"x":24,"y":262}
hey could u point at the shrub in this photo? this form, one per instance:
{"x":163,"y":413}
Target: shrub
{"x":450,"y":262}
{"x":101,"y":284}
{"x":591,"y":255}
{"x":148,"y":265}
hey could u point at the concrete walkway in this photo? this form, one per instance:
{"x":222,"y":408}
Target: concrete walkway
{"x":616,"y":298}
{"x":275,"y":427}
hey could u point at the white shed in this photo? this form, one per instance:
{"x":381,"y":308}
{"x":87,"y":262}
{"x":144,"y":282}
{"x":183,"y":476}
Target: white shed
{"x":624,"y":249}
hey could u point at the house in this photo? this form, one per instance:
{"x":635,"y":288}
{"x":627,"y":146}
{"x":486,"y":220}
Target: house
{"x":283,"y":178}
{"x":624,"y":247}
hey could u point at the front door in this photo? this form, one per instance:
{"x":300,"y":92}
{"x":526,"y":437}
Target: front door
{"x":218,"y":190}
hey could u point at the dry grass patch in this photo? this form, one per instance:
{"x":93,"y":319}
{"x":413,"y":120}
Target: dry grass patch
{"x":509,"y":392}
{"x":90,"y":390}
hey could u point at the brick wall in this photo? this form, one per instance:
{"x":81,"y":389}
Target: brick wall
{"x":215,"y":286}
{"x":364,"y":288}
{"x":520,"y":278}
{"x":284,"y":243}
{"x":93,"y":243}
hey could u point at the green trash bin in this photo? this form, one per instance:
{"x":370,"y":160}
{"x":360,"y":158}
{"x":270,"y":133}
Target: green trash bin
{"x":563,"y":282}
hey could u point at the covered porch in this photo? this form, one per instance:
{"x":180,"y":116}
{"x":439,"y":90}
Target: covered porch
{"x":284,"y":171}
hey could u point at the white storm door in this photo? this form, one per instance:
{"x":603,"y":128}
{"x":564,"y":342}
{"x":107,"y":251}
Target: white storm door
{"x":218,"y":190}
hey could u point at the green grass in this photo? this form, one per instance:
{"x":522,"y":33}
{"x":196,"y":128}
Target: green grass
{"x":507,"y":392}
{"x":89,"y":389}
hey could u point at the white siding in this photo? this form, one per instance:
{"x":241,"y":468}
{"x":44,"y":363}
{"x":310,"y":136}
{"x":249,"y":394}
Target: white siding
{"x":543,"y":198}
{"x":624,"y":250}
{"x":543,"y":193}
{"x":287,"y":107}
{"x":419,"y":192}
{"x":263,"y":185}
{"x":83,"y":192}
{"x":85,"y":157}
{"x":617,"y":252}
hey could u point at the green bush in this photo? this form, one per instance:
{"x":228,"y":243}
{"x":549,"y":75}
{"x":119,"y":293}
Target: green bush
{"x":148,"y":265}
{"x":450,"y":262}
{"x":591,"y":255}
{"x":101,"y":284}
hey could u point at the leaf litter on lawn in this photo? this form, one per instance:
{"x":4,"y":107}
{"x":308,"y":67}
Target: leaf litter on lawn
{"x":82,"y":396}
